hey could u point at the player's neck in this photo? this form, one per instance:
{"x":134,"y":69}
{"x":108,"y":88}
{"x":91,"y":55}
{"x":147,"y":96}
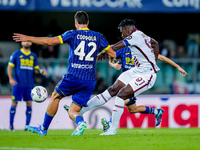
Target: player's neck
{"x":26,"y":49}
{"x":82,"y":27}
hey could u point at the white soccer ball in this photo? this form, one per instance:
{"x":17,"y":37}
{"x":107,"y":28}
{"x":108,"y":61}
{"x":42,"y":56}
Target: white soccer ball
{"x":39,"y":94}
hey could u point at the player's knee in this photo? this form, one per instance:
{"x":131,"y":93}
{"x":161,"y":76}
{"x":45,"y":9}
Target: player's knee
{"x":113,"y":91}
{"x":123,"y":94}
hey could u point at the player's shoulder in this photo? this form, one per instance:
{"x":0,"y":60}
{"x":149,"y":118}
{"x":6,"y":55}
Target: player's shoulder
{"x":96,"y":32}
{"x":33,"y":54}
{"x":69,"y":32}
{"x":16,"y":52}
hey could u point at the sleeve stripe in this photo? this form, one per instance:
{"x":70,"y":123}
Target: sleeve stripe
{"x":36,"y":67}
{"x":11,"y":64}
{"x":107,"y":48}
{"x":125,"y":42}
{"x":61,"y":40}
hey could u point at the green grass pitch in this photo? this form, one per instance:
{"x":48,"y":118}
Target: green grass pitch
{"x":127,"y":139}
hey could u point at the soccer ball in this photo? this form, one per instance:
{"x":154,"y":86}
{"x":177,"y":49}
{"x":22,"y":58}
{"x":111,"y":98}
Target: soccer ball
{"x":39,"y":94}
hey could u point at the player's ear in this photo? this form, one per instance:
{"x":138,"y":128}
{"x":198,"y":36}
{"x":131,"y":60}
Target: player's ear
{"x":88,"y":23}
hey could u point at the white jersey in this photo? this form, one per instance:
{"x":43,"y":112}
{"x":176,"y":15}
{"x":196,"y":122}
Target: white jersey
{"x":142,"y":52}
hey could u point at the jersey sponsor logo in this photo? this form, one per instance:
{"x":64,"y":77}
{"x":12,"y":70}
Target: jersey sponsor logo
{"x":26,"y":63}
{"x":26,"y":67}
{"x":81,"y":66}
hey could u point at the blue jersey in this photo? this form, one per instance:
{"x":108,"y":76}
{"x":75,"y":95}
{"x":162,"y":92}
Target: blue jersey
{"x":84,"y":46}
{"x":126,"y":58}
{"x":24,"y":64}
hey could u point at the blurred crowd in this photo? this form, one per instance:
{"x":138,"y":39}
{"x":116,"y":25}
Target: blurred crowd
{"x":54,"y":60}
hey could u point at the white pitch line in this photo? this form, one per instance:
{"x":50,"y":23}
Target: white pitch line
{"x":29,"y":148}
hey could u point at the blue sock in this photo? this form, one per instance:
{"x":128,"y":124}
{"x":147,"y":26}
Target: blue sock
{"x":149,"y":110}
{"x":47,"y":120}
{"x":78,"y":119}
{"x":28,"y":114}
{"x":12,"y":114}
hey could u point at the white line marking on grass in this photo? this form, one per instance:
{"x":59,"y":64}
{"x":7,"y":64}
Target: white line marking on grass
{"x":30,"y":148}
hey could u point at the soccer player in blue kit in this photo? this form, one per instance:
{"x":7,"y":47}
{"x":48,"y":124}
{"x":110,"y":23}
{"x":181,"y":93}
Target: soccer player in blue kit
{"x":79,"y":81}
{"x":25,"y":63}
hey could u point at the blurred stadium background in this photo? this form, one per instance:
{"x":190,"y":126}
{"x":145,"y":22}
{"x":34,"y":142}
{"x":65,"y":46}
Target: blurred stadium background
{"x":173,"y":23}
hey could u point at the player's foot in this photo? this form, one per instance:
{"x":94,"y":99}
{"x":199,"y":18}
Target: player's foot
{"x":159,"y":116}
{"x":66,"y":108}
{"x":11,"y":128}
{"x":110,"y":132}
{"x":80,"y":129}
{"x":25,"y":129}
{"x":105,"y":124}
{"x":38,"y":130}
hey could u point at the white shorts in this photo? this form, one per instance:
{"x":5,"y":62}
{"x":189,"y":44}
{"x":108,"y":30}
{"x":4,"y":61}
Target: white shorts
{"x":138,"y":82}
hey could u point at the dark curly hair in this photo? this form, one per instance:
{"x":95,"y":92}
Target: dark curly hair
{"x":82,"y":17}
{"x":127,"y":22}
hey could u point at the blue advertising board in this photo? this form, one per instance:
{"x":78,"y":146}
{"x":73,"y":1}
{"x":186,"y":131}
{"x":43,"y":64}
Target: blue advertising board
{"x":143,"y":6}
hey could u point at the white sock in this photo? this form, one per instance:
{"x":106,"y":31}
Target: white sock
{"x":117,"y":112}
{"x":96,"y":101}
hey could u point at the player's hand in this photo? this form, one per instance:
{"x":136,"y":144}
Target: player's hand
{"x":182,"y":71}
{"x":44,"y":73}
{"x":20,"y":37}
{"x":102,"y":55}
{"x":116,"y":65}
{"x":12,"y":82}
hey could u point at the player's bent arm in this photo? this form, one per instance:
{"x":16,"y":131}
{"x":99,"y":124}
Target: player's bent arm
{"x":10,"y":75}
{"x":37,"y":40}
{"x":155,"y":46}
{"x":111,"y":52}
{"x":169,"y":61}
{"x":41,"y":71}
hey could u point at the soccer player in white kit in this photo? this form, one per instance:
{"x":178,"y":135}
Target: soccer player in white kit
{"x":138,"y":79}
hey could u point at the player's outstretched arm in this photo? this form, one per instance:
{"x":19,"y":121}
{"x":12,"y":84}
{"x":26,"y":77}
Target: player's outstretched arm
{"x":37,"y":40}
{"x":118,"y":45}
{"x":169,"y":61}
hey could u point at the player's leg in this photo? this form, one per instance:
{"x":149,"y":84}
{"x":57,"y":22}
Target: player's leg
{"x":49,"y":115}
{"x":28,"y":99}
{"x":104,"y":97}
{"x":118,"y":110}
{"x":78,"y":119}
{"x":12,"y":114}
{"x":80,"y":99}
{"x":138,"y":84}
{"x":17,"y":94}
{"x":28,"y":113}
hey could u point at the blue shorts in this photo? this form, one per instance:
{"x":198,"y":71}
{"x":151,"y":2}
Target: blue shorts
{"x":80,"y":90}
{"x":19,"y":93}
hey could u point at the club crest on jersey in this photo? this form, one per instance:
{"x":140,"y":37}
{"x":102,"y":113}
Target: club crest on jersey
{"x":129,"y":37}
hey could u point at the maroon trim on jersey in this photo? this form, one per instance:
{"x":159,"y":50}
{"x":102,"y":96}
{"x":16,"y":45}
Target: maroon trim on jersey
{"x":119,"y":106}
{"x":135,"y":29}
{"x":103,"y":98}
{"x":145,"y":84}
{"x":146,"y":58}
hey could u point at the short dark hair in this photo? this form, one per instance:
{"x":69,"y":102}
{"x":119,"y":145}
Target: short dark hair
{"x":127,"y":22}
{"x":82,"y":17}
